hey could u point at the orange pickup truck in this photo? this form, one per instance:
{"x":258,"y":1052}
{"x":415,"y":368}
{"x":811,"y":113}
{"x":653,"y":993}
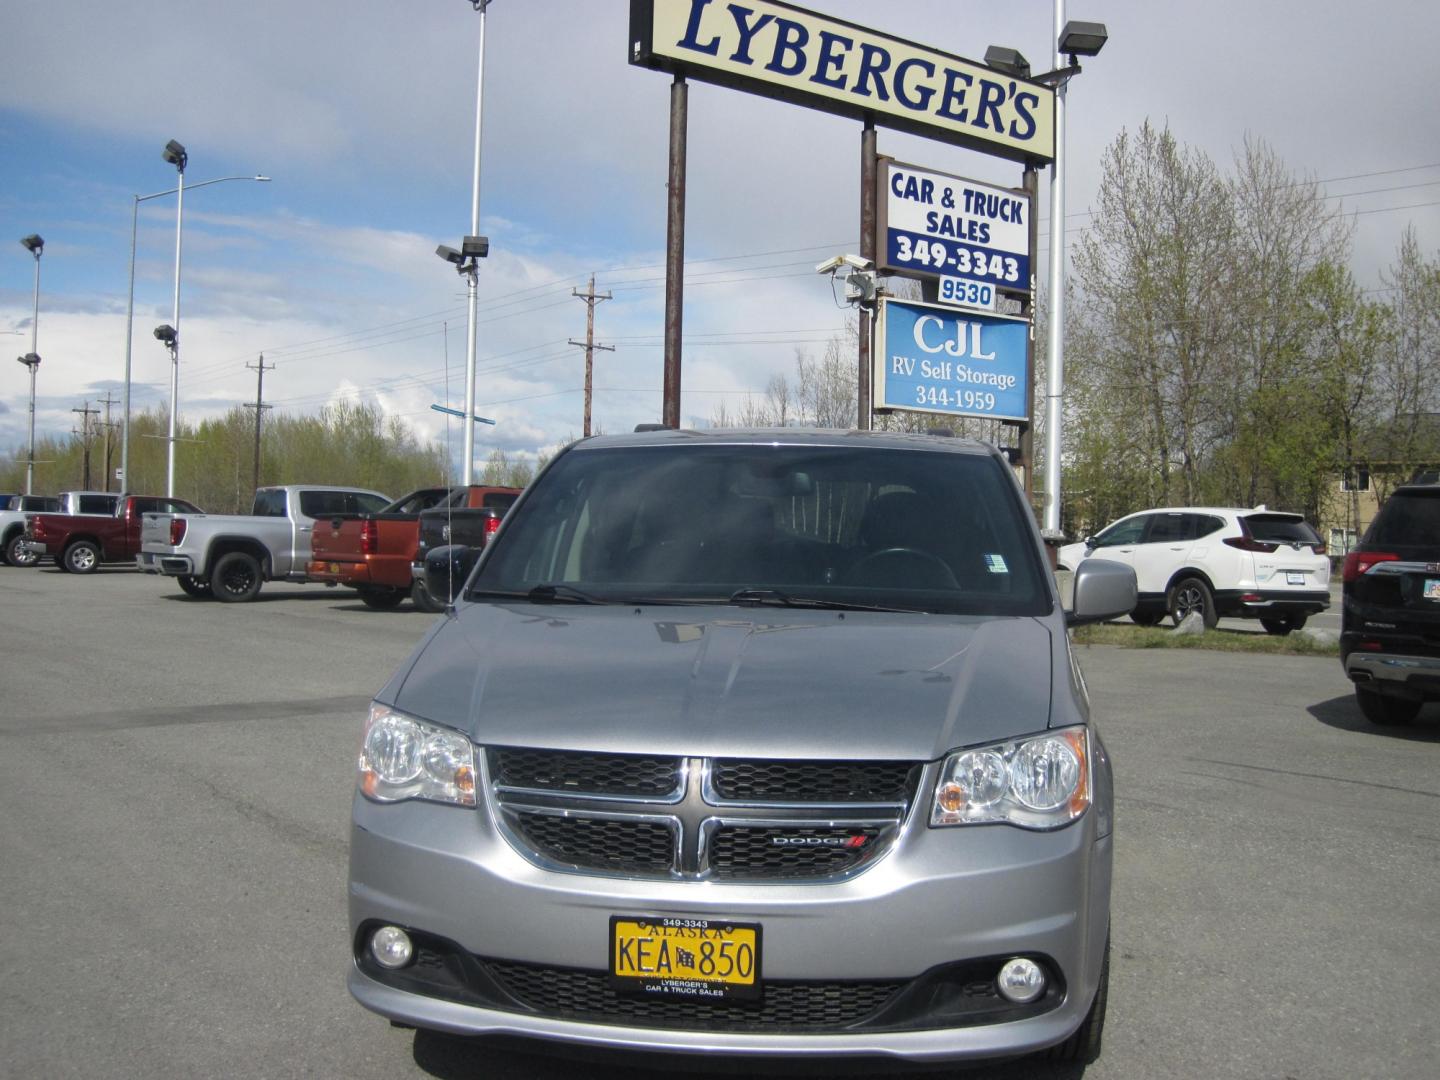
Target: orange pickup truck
{"x":373,"y":553}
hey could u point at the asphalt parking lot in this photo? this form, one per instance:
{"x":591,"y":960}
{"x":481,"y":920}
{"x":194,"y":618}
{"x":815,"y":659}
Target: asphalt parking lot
{"x":175,"y":780}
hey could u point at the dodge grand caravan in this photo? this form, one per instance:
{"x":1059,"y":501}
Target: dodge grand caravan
{"x":746,"y":742}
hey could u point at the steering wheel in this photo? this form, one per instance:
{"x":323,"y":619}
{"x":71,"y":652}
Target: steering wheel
{"x":932,"y":571}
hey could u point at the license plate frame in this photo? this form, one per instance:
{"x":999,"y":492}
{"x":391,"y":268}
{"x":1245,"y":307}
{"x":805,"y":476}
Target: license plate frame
{"x":663,"y":956}
{"x":1294,"y":577}
{"x":1430,"y":589}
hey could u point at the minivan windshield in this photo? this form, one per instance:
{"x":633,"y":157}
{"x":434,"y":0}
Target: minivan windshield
{"x":759,"y":523}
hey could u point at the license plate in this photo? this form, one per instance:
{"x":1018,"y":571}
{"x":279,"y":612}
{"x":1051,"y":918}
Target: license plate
{"x":1432,"y":589}
{"x":334,"y":567}
{"x":701,"y":959}
{"x":1292,"y":578}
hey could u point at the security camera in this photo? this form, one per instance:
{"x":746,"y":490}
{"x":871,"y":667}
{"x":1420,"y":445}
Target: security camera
{"x":449,"y":254}
{"x":167,"y":334}
{"x":855,"y":262}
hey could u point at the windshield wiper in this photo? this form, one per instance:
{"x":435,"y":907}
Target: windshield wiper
{"x":561,"y":594}
{"x":756,"y":597}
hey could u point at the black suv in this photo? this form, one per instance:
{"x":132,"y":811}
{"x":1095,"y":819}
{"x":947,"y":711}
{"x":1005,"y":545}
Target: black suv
{"x":1390,"y":623}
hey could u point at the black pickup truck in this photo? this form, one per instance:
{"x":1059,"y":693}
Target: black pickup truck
{"x":471,"y":526}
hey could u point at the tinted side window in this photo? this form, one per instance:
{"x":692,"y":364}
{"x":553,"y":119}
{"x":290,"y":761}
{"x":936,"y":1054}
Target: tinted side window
{"x":1168,"y":528}
{"x":269,"y":502}
{"x":364,"y":503}
{"x":317,"y":504}
{"x":1128,"y":531}
{"x":1203,"y":525}
{"x":97,"y":504}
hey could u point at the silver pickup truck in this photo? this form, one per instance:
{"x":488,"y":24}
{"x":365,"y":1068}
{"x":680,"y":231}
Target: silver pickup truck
{"x":229,"y":556}
{"x":16,"y":508}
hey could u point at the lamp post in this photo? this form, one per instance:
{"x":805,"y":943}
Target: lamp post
{"x":130,"y":305}
{"x":1072,"y":39}
{"x":34,"y":244}
{"x":175,"y":154}
{"x":471,"y":249}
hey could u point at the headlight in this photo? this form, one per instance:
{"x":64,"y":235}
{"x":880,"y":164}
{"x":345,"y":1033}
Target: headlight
{"x":1037,"y":783}
{"x":405,"y":758}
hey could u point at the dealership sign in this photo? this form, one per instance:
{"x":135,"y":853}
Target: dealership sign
{"x":938,"y":360}
{"x":786,"y":52}
{"x":933,"y":225}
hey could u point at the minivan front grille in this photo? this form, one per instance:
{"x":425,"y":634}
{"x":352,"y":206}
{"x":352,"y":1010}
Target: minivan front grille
{"x":730,"y":819}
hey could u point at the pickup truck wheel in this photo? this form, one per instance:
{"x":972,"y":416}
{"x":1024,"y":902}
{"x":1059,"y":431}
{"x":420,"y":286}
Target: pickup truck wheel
{"x":193,"y":586}
{"x":81,"y":557}
{"x":382,"y":599}
{"x":422,"y":598}
{"x":15,"y":555}
{"x":236,"y":578}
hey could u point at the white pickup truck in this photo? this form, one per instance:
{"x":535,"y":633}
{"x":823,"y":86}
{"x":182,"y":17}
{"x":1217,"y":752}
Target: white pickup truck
{"x":229,"y":556}
{"x":17,"y":508}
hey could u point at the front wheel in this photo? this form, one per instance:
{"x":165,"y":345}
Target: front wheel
{"x":16,"y":555}
{"x":81,"y":557}
{"x":1385,"y":710}
{"x":424,"y":599}
{"x":236,"y":578}
{"x":193,"y":586}
{"x":1192,"y":594}
{"x":382,"y":599}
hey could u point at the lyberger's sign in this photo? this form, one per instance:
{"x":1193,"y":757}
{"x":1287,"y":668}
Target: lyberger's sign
{"x":786,"y":52}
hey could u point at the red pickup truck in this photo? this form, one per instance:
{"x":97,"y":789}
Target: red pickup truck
{"x":81,"y":542}
{"x":373,"y":553}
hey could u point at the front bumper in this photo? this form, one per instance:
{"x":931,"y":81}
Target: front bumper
{"x":938,"y":897}
{"x":35,"y":547}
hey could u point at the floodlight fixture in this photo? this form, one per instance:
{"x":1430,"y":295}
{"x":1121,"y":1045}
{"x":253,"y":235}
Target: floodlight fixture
{"x":475,"y":247}
{"x":30,"y":360}
{"x":449,"y":254}
{"x":1010,"y":61}
{"x":175,"y":154}
{"x":168,"y":335}
{"x":1083,"y":39}
{"x":33,"y":243}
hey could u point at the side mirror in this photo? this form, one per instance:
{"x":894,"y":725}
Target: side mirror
{"x":1089,"y":543}
{"x":446,"y":569}
{"x":1103,"y":590}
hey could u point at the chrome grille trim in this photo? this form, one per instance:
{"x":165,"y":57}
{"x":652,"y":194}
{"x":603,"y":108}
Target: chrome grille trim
{"x":695,"y":817}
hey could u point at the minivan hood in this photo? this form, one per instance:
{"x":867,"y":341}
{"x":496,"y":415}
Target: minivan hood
{"x":730,"y":681}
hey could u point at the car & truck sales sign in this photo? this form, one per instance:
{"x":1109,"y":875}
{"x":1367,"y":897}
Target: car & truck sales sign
{"x":931,"y":224}
{"x":786,"y":52}
{"x":940,"y":360}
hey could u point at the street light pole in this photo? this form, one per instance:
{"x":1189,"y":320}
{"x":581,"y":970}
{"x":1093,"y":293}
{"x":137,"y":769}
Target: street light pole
{"x":130,"y":306}
{"x":34,"y":244}
{"x":473,"y":275}
{"x":1055,"y":353}
{"x":175,"y":154}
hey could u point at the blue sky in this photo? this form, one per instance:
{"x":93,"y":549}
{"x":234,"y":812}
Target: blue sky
{"x":363,"y":114}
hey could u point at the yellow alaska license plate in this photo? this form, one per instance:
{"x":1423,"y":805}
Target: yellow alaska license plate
{"x":703,"y":959}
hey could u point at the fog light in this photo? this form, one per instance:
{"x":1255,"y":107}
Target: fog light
{"x":1020,"y":980}
{"x":391,"y":947}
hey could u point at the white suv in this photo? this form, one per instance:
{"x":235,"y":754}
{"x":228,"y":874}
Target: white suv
{"x":1249,"y":564}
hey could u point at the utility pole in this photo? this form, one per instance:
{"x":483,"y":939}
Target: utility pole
{"x":259,"y":368}
{"x":108,"y":428}
{"x":84,"y":434}
{"x":591,"y":298}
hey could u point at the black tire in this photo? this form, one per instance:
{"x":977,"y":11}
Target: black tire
{"x":1281,"y":627}
{"x":15,"y":555}
{"x":382,"y":599}
{"x":1191,"y":594}
{"x":236,"y":578}
{"x":1084,"y":1046}
{"x":423,"y":599}
{"x":1384,"y":710}
{"x":81,"y":557}
{"x":193,"y":586}
{"x":1146,"y":618}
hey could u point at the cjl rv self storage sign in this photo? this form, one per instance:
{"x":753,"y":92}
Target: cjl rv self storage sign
{"x":964,"y":363}
{"x":931,"y":224}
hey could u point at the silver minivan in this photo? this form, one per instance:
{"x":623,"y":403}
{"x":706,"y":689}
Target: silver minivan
{"x":746,"y":742}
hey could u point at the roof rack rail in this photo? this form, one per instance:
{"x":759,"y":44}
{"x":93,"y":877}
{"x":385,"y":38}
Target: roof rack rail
{"x":650,"y":427}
